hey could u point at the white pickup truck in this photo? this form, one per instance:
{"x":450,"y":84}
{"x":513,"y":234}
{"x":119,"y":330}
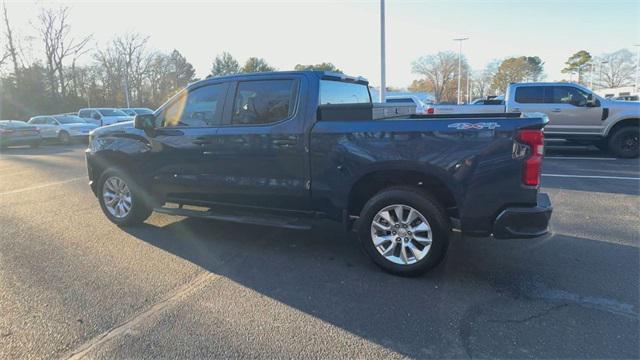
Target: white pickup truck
{"x":575,"y":113}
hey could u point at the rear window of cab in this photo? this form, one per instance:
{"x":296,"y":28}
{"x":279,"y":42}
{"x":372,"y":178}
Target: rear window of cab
{"x":340,"y":92}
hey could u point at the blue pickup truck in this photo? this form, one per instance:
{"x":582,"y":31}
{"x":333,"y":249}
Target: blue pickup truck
{"x":286,"y":148}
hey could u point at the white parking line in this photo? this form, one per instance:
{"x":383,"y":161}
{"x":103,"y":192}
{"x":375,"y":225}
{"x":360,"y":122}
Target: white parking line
{"x":578,"y":158}
{"x":41,"y":186}
{"x":593,"y":177}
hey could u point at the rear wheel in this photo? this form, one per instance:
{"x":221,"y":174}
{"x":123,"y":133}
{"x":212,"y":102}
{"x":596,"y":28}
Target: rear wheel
{"x":64,"y":137}
{"x":624,"y":142}
{"x":121,"y":199}
{"x":404,"y":230}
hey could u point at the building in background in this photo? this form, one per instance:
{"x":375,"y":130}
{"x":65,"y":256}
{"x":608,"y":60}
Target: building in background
{"x":621,"y":93}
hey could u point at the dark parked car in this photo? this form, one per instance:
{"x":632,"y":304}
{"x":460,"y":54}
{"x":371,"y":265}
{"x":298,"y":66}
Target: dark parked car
{"x":15,"y":133}
{"x":285,"y":148}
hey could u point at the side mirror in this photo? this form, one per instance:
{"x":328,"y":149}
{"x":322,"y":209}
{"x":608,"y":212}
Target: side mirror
{"x":592,"y":101}
{"x":146,"y":122}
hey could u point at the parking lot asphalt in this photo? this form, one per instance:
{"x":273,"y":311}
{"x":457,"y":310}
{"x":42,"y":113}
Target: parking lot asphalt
{"x":74,"y":285}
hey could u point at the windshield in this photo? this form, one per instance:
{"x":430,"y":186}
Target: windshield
{"x":111,"y":112}
{"x":143,"y":111}
{"x":69,"y":120}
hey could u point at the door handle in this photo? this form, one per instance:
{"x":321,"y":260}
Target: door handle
{"x":556,"y":110}
{"x":202,"y":141}
{"x":284,"y":142}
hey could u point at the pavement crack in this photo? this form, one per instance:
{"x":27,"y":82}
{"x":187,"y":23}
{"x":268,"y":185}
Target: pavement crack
{"x":171,"y":299}
{"x":532,"y":317}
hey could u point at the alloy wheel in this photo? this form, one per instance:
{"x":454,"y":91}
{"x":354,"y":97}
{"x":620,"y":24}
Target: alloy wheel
{"x":117,"y":197}
{"x":401,"y":234}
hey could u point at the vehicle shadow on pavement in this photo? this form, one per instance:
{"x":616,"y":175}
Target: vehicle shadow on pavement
{"x":490,"y":298}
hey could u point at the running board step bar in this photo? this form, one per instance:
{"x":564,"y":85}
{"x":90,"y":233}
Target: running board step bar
{"x":267,"y":220}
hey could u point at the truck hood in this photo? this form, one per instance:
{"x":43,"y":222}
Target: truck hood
{"x":118,"y":118}
{"x":619,"y":104}
{"x":121,"y":127}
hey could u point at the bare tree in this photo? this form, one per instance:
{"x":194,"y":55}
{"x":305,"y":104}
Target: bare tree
{"x":482,"y":80}
{"x":10,"y":50}
{"x":58,"y":46}
{"x":439,"y":73}
{"x":131,"y":49}
{"x":619,"y":69}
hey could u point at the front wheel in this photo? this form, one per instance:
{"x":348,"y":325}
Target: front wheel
{"x":64,"y":137}
{"x":121,"y":199}
{"x":404,"y":230}
{"x":624,"y":142}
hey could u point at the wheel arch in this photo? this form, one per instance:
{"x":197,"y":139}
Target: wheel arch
{"x":627,"y":121}
{"x":104,"y":160}
{"x":375,"y":181}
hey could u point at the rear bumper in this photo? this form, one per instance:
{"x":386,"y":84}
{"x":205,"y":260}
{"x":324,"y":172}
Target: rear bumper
{"x":524,"y":222}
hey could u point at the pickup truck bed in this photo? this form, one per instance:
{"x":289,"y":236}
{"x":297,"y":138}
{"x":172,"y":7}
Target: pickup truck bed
{"x":312,"y":145}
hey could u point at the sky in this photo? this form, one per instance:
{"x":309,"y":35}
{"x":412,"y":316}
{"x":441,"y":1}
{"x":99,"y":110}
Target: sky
{"x":347,"y":33}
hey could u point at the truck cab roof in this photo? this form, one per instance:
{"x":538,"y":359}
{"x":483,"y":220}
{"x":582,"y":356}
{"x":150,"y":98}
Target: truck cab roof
{"x":311,"y":73}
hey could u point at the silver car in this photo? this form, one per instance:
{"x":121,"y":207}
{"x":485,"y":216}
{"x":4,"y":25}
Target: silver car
{"x":64,"y":128}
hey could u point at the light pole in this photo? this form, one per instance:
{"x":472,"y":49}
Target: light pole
{"x":591,"y":67}
{"x":600,"y":77}
{"x":460,"y":40}
{"x":637,"y":67}
{"x":468,"y":87}
{"x":383,"y":80}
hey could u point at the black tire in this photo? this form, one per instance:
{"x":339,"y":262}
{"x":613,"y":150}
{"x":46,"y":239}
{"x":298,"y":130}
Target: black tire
{"x":623,"y":142}
{"x":427,"y":206}
{"x":35,"y":144}
{"x":139,"y":211}
{"x":64,"y":138}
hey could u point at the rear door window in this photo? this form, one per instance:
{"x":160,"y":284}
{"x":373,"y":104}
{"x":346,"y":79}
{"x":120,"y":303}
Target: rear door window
{"x":530,"y":95}
{"x":264,"y":101}
{"x":340,"y":92}
{"x":84,"y":113}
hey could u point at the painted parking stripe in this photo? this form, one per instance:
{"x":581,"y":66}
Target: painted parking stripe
{"x":578,"y":158}
{"x":42,"y":186}
{"x":592,"y":177}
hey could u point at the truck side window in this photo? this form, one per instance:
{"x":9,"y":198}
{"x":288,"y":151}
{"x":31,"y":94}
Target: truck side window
{"x":200,"y":107}
{"x":530,"y":95}
{"x":264,"y":101}
{"x":565,"y":95}
{"x":340,"y":92}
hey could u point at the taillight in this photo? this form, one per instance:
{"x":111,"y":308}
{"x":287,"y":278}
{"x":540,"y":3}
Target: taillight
{"x":430,"y":110}
{"x":533,"y":162}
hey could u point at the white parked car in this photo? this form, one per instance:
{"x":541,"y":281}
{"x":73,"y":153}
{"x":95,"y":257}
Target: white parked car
{"x":64,"y":128}
{"x":421,"y":107}
{"x":104,"y":116}
{"x":136,"y":111}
